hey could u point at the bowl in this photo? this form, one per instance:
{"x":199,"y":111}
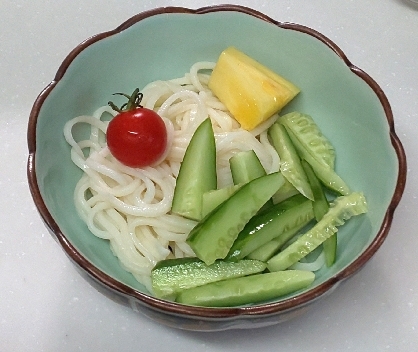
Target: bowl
{"x":347,"y":104}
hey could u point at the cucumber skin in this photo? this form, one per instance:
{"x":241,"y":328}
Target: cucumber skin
{"x":245,"y":167}
{"x":330,"y":250}
{"x":343,"y":208}
{"x":268,"y":250}
{"x":170,"y":276}
{"x":271,"y":224}
{"x":290,"y":167}
{"x":197,"y":173}
{"x":308,"y":134}
{"x":213,"y":198}
{"x":321,"y":207}
{"x":247,"y":290}
{"x":284,"y":192}
{"x":320,"y":203}
{"x":325,"y":173}
{"x":212,"y":238}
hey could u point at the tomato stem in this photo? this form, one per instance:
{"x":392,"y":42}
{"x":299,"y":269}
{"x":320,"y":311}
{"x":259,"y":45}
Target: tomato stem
{"x":134,"y":101}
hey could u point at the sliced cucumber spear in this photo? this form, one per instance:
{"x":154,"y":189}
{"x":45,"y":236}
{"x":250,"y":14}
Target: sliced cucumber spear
{"x":304,"y":128}
{"x":268,"y":250}
{"x":171,"y":276}
{"x":245,"y":166}
{"x":197,"y":173}
{"x":294,"y":212}
{"x":248,"y":289}
{"x":212,"y":238}
{"x":284,"y":192}
{"x":320,"y":203}
{"x":342,"y":209}
{"x":290,"y":165}
{"x":320,"y":208}
{"x":312,"y":146}
{"x":211,"y":199}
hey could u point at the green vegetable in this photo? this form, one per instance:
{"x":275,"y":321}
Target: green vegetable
{"x":320,"y":204}
{"x":311,"y":145}
{"x":213,"y":198}
{"x":171,"y":276}
{"x":284,"y":192}
{"x":280,"y":218}
{"x":303,"y":128}
{"x":197,"y":173}
{"x":246,"y":290}
{"x":234,"y":241}
{"x":245,"y":167}
{"x":213,"y":237}
{"x":330,"y":249}
{"x":290,"y":165}
{"x":342,"y":209}
{"x":266,"y":251}
{"x":321,"y":207}
{"x":326,"y":174}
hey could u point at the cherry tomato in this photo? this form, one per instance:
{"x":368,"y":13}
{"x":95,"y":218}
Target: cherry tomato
{"x":137,"y":136}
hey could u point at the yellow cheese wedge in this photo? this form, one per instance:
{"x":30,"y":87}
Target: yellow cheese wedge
{"x":249,"y":90}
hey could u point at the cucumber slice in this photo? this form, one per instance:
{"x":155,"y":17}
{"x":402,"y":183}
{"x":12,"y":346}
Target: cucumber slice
{"x":304,"y":128}
{"x":326,"y":174}
{"x":342,"y":209}
{"x":321,"y":207}
{"x":212,"y":199}
{"x":247,"y":289}
{"x":268,"y":250}
{"x":171,"y":276}
{"x":245,"y":167}
{"x":213,"y":237}
{"x":320,"y":204}
{"x":330,"y":250}
{"x":286,"y":191}
{"x":294,"y":212}
{"x":197,"y":173}
{"x":290,"y":165}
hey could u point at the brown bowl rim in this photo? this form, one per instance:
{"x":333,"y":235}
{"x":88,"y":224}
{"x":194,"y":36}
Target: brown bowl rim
{"x":202,"y":312}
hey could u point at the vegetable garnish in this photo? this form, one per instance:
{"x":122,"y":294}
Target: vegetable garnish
{"x":137,"y":136}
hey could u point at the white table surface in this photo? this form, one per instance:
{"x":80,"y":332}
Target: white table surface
{"x":46,"y":306}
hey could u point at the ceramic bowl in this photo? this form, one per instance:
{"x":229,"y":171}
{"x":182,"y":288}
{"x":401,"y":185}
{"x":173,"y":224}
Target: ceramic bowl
{"x":347,"y":104}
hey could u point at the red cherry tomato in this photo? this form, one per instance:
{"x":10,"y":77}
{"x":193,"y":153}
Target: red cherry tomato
{"x":137,"y":136}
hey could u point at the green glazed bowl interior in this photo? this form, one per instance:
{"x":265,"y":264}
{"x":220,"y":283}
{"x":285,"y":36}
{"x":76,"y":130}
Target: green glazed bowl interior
{"x":346,"y":103}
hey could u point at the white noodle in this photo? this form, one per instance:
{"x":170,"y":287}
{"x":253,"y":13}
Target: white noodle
{"x":130,"y":206}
